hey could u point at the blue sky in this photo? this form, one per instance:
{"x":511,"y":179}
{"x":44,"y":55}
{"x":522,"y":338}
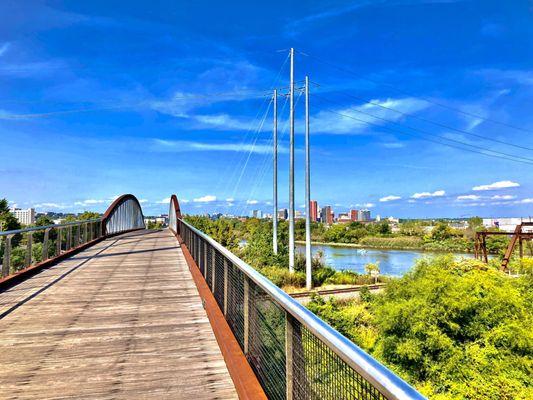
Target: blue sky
{"x":100,"y":98}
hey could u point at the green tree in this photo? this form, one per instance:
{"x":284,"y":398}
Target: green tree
{"x":441,"y":231}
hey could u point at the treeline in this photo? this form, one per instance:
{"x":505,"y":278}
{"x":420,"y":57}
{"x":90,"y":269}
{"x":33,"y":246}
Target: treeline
{"x":454,"y":329}
{"x":412,"y":235}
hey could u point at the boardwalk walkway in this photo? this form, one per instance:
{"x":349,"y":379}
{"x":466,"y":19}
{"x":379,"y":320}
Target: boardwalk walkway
{"x":122,"y":319}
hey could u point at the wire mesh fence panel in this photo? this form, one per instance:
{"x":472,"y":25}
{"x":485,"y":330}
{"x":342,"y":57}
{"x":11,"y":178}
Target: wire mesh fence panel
{"x":235,"y":303}
{"x":219,"y":279}
{"x":208,"y":267}
{"x":319,"y":373}
{"x":294,"y":354}
{"x":266,"y":343}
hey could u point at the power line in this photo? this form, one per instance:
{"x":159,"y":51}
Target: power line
{"x":429,"y":133}
{"x":375,"y":103}
{"x":426,"y":139}
{"x":349,"y":71}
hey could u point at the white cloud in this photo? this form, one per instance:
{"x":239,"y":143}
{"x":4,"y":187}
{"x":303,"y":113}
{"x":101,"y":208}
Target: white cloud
{"x":205,"y":199}
{"x":92,"y":202}
{"x":183,"y":201}
{"x":353,"y":122}
{"x":366,"y":205}
{"x":526,"y":201}
{"x":49,"y":205}
{"x":179,"y":146}
{"x":252,"y":201}
{"x":230,"y":199}
{"x":503,"y":197}
{"x":142,"y":201}
{"x":166,"y":200}
{"x":3,"y":48}
{"x":423,"y":195}
{"x":389,"y":198}
{"x":468,"y":197}
{"x":497,"y":185}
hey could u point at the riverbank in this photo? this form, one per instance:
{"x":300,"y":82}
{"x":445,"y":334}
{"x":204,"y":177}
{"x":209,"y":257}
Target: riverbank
{"x":370,"y":246}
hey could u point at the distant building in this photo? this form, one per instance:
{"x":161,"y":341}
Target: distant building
{"x":256,"y":214}
{"x":344,"y":218}
{"x":326,"y":215}
{"x":298,"y":214}
{"x":354,"y":215}
{"x":363,"y":215}
{"x":283,"y":214}
{"x":507,"y":224}
{"x":313,"y":210}
{"x":25,"y":217}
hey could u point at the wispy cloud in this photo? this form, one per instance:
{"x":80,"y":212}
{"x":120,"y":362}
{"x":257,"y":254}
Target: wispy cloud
{"x":3,"y":48}
{"x":252,"y":201}
{"x":503,"y":197}
{"x":205,"y":199}
{"x":497,"y":185}
{"x":468,"y":197}
{"x":389,"y":198}
{"x":188,"y":146}
{"x":424,"y":195}
{"x":350,"y":120}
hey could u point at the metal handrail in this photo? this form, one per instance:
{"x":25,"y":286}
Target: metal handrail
{"x":43,"y":227}
{"x":386,"y":381}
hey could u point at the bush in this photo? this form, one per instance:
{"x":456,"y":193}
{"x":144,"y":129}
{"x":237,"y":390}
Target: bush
{"x":282,"y":277}
{"x":411,"y":242}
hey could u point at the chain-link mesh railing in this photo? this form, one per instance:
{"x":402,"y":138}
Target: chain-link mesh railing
{"x":294,"y":354}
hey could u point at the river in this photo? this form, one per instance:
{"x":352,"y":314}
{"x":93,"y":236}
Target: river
{"x":391,"y":262}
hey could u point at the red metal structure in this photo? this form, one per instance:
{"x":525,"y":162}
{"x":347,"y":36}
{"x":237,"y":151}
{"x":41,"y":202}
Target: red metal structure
{"x":518,"y":236}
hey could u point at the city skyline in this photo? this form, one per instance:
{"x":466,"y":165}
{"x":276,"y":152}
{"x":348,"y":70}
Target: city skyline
{"x":84,"y":123}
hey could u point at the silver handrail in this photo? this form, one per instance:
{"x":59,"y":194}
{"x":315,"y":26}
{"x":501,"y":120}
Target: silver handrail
{"x":386,"y":381}
{"x":43,"y":227}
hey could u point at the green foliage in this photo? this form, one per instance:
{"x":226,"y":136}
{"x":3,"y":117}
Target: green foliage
{"x":154,"y":225}
{"x":455,"y":329}
{"x":86,"y":215}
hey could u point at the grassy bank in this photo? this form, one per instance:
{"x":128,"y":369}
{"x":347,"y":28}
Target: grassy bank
{"x":394,"y":243}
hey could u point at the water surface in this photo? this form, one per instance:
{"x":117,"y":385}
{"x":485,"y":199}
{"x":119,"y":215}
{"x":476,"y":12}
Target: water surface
{"x":391,"y":262}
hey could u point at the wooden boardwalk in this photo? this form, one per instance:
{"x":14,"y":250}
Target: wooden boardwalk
{"x":122,"y":319}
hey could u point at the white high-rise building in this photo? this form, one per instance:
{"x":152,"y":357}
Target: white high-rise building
{"x":25,"y":217}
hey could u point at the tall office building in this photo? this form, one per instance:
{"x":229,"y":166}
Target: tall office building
{"x":326,"y":216}
{"x":354,"y":215}
{"x":313,"y":210}
{"x":364,"y":215}
{"x":256,"y":214}
{"x":283,"y":214}
{"x":25,"y":217}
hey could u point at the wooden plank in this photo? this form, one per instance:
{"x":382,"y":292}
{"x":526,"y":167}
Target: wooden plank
{"x":122,"y":319}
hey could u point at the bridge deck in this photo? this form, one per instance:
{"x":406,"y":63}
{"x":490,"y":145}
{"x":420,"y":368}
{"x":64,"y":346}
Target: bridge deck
{"x":122,"y":319}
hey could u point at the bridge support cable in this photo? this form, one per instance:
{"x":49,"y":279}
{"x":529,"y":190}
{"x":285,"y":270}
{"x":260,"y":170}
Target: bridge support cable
{"x":293,"y":353}
{"x":59,"y":241}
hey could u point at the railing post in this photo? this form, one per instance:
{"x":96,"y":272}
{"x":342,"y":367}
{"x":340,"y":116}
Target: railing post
{"x":85,"y":233}
{"x":7,"y":256}
{"x":69,"y":234}
{"x":58,"y":241}
{"x":77,"y":237}
{"x":246,"y":314}
{"x":28,"y":249}
{"x":45,"y":244}
{"x":226,"y":267}
{"x":289,"y":362}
